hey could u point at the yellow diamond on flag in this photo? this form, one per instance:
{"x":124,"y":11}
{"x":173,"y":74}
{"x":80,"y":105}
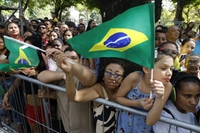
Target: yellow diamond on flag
{"x":22,"y":58}
{"x":119,"y":39}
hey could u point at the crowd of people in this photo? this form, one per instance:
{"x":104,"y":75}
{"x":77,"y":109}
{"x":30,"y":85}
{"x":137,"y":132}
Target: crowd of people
{"x":175,"y":84}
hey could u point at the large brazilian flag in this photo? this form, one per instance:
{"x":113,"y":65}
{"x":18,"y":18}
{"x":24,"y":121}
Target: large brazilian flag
{"x":130,"y":35}
{"x":22,"y":55}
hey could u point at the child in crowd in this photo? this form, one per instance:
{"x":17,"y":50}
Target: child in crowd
{"x":57,"y":43}
{"x":53,"y":35}
{"x":134,"y":92}
{"x":67,"y":35}
{"x":181,"y":107}
{"x":172,"y":48}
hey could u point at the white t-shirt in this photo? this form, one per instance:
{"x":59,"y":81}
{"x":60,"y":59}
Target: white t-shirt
{"x":165,"y":127}
{"x":51,"y":64}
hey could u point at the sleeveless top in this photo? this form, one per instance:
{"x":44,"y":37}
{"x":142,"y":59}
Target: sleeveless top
{"x":105,"y":117}
{"x":133,"y":123}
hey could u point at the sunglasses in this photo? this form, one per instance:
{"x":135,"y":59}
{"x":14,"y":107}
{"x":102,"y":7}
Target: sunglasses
{"x":109,"y":74}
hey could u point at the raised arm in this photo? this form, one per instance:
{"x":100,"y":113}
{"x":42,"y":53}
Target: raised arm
{"x":27,"y":25}
{"x":83,"y":74}
{"x":48,"y":76}
{"x":83,"y":95}
{"x":76,"y":94}
{"x":162,"y":94}
{"x":127,"y":84}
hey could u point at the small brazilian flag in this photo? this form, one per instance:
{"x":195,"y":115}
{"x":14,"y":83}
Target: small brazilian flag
{"x":21,"y":53}
{"x":130,"y":35}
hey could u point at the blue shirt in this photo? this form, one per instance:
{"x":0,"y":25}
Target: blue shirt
{"x":197,"y":48}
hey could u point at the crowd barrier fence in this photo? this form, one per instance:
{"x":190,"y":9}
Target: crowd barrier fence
{"x":49,"y":125}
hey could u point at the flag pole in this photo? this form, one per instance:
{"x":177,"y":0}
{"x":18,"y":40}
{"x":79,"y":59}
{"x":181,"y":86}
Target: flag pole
{"x":155,"y":54}
{"x":150,"y":95}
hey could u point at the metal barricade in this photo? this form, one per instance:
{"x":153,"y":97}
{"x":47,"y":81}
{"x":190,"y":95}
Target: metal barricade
{"x":54,"y":125}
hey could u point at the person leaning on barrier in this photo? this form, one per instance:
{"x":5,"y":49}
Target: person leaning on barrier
{"x":135,"y":92}
{"x":33,"y":105}
{"x":6,"y":82}
{"x":76,"y":117}
{"x":181,"y":104}
{"x":109,"y":79}
{"x":83,"y":74}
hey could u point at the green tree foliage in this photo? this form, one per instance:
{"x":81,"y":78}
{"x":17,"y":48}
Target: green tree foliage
{"x":108,"y":8}
{"x":7,"y":4}
{"x":112,"y":8}
{"x":86,"y":13}
{"x":180,"y":6}
{"x":59,"y":5}
{"x":192,"y":12}
{"x":167,"y":16}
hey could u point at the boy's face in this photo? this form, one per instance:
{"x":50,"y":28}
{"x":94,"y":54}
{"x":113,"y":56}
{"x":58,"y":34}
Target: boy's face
{"x":73,"y":56}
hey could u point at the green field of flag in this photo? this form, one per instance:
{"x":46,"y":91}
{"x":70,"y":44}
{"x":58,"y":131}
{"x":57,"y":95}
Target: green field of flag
{"x":129,"y":35}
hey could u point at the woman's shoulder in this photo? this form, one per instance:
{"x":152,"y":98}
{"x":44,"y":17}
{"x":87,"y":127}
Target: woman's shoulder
{"x":97,"y":86}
